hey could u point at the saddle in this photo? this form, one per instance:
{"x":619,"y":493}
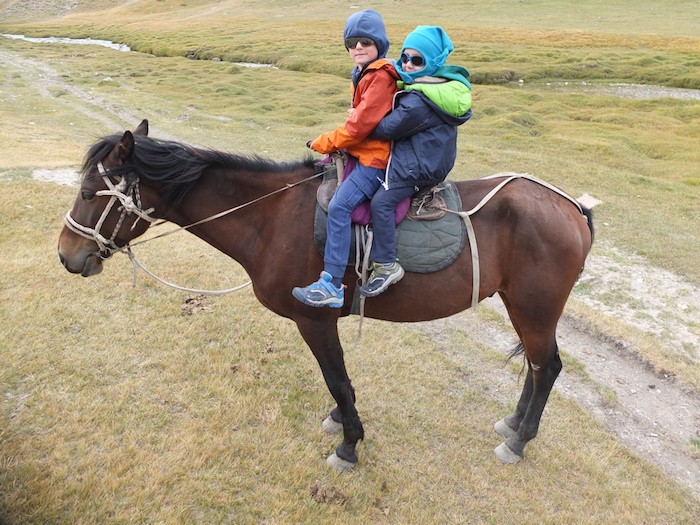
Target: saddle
{"x":426,"y":205}
{"x":428,"y":240}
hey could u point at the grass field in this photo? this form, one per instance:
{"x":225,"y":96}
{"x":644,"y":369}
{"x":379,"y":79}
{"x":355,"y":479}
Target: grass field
{"x":121,"y":405}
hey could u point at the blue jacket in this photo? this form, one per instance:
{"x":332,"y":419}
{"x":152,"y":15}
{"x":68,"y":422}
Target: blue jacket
{"x":424,"y":139}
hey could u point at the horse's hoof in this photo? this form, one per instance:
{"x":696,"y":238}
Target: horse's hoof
{"x":331,"y":426}
{"x":506,"y":455}
{"x":503,"y":429}
{"x":339,"y":464}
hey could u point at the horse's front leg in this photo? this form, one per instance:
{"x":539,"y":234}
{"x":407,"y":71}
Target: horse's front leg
{"x":334,"y":422}
{"x":322,"y":337}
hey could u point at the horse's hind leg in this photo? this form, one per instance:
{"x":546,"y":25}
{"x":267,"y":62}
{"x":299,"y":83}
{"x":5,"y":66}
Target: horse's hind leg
{"x":322,"y":337}
{"x":544,"y":366}
{"x":508,"y":426}
{"x":536,"y":390}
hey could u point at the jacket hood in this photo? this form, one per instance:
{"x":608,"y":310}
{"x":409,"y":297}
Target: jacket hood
{"x":368,"y":23}
{"x":451,"y":102}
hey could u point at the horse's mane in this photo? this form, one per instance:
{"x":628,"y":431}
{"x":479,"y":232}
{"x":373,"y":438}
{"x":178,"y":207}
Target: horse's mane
{"x":177,"y":164}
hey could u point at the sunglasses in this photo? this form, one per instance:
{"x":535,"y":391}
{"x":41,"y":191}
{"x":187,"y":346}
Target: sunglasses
{"x":416,"y":60}
{"x":351,"y":43}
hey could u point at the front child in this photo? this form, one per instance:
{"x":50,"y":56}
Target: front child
{"x":373,"y":87}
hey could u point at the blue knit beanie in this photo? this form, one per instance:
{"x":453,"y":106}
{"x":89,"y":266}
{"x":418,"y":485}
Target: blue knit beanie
{"x":368,"y":23}
{"x":433,"y":43}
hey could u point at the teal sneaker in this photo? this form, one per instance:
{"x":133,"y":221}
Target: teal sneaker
{"x":321,"y":293}
{"x":382,"y":276}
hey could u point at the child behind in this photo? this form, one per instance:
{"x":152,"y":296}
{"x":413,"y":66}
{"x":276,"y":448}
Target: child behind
{"x":434,"y":100}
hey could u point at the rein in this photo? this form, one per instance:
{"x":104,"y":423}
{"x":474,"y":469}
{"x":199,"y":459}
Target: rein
{"x":130,"y":200}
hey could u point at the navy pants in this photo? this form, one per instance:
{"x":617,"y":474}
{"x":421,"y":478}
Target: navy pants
{"x":382,"y":205}
{"x":360,"y":185}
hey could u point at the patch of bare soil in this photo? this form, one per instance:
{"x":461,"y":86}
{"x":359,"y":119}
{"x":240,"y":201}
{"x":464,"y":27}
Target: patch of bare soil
{"x":65,"y":177}
{"x":21,"y":9}
{"x":653,"y":413}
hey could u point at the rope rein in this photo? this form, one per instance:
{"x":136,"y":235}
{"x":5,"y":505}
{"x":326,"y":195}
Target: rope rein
{"x":138,"y":264}
{"x":130,"y":199}
{"x":229,"y":211}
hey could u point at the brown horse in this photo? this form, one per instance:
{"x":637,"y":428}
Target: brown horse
{"x":532,"y":244}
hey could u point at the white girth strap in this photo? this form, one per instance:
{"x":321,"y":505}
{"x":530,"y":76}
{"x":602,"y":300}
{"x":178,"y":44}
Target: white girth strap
{"x":476,"y":268}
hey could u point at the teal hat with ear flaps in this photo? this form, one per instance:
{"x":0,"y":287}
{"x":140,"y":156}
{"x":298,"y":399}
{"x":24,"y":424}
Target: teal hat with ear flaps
{"x":433,"y":44}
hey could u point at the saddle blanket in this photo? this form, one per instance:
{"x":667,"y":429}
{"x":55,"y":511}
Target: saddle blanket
{"x":422,"y":246}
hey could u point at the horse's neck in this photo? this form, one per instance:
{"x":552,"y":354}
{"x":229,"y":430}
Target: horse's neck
{"x":248,"y":217}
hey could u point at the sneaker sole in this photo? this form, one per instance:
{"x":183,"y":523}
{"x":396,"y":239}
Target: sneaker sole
{"x":393,"y":279}
{"x":331,"y":303}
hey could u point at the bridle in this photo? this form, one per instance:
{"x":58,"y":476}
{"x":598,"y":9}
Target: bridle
{"x":129,"y":197}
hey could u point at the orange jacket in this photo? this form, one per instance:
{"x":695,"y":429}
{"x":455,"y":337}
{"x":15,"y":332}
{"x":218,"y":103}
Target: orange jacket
{"x":372,"y":100}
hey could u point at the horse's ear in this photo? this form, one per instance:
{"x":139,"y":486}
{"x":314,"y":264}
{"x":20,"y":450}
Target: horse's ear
{"x":142,"y":129}
{"x":125,"y":148}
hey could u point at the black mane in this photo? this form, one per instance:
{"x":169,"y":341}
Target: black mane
{"x":178,"y":165}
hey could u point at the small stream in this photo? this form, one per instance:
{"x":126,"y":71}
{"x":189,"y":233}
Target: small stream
{"x":78,"y":41}
{"x":107,"y":43}
{"x":617,"y":89}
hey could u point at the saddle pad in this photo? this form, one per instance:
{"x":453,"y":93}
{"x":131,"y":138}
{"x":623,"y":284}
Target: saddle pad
{"x":422,"y":246}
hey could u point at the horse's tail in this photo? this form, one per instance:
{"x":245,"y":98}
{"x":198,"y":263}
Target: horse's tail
{"x":515,"y":352}
{"x":588,"y":212}
{"x":519,"y":349}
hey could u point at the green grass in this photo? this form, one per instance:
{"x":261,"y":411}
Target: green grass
{"x":639,"y":157}
{"x":695,"y":447}
{"x":120,"y":409}
{"x":117,"y":408}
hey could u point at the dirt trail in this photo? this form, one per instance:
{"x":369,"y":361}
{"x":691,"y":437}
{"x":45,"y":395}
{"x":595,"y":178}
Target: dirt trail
{"x":45,"y":80}
{"x":653,"y":414}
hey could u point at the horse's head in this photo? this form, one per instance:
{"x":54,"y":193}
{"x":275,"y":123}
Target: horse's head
{"x":109,"y":210}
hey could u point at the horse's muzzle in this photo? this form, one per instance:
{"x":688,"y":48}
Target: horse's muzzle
{"x":90,"y":265}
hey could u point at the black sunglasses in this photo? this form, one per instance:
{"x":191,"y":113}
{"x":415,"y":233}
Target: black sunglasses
{"x":351,"y":43}
{"x":416,"y":60}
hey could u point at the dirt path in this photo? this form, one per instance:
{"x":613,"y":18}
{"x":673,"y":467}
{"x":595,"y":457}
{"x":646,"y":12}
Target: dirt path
{"x":44,"y":79}
{"x":653,"y":414}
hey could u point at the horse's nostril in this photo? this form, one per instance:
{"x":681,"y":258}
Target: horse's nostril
{"x":63,"y":259}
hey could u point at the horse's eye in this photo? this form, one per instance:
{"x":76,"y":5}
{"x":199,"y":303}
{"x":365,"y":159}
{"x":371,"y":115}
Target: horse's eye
{"x":87,"y":195}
